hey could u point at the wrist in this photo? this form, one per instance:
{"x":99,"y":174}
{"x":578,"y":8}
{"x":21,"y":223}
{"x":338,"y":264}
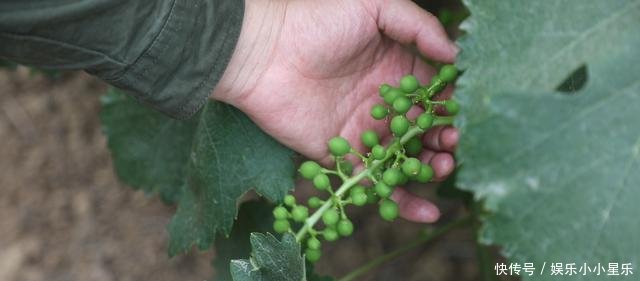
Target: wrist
{"x":260,"y":32}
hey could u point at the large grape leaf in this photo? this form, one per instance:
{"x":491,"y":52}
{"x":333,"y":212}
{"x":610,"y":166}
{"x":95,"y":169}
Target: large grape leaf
{"x":271,"y":260}
{"x":252,"y":217}
{"x":557,"y":171}
{"x":150,"y":152}
{"x":205,"y":163}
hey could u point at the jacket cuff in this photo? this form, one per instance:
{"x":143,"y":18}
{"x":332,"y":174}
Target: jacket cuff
{"x":178,"y":71}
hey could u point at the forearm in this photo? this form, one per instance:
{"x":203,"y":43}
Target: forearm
{"x":261,"y":30}
{"x":169,"y":54}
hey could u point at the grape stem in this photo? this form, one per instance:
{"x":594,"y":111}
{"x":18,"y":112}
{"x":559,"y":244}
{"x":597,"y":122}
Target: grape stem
{"x":421,"y":239}
{"x":350,"y":182}
{"x":327,"y":171}
{"x":362,"y":157}
{"x":443,"y":120}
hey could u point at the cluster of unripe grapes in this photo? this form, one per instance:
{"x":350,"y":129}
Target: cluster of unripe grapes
{"x":385,"y":166}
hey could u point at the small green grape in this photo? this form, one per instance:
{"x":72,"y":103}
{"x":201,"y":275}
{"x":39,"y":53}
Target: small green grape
{"x":314,"y":202}
{"x":330,"y":234}
{"x":330,"y":217}
{"x":411,"y":167}
{"x":452,"y":107}
{"x":339,"y":146}
{"x":289,"y":200}
{"x":371,"y":196}
{"x":280,"y":213}
{"x":399,"y":125}
{"x":357,"y":189}
{"x":299,"y":213}
{"x":402,"y":105}
{"x":281,"y":226}
{"x":312,"y":255}
{"x":358,"y":195}
{"x":388,"y":210}
{"x":392,"y":176}
{"x":345,"y":227}
{"x":321,"y":181}
{"x":359,"y":199}
{"x":383,"y":190}
{"x":384,"y":89}
{"x":409,"y":84}
{"x":425,"y":174}
{"x":378,"y":152}
{"x":346,"y":167}
{"x":424,"y":121}
{"x":448,"y":73}
{"x":313,"y":243}
{"x":413,"y":146}
{"x":309,"y":169}
{"x":403,"y":179}
{"x":379,"y":112}
{"x":392,"y":95}
{"x":370,"y":138}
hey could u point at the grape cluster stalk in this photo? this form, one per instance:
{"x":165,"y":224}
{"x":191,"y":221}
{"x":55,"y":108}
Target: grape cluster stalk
{"x":385,"y":167}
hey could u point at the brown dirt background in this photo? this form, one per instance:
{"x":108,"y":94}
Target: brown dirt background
{"x":65,"y":216}
{"x":63,"y":213}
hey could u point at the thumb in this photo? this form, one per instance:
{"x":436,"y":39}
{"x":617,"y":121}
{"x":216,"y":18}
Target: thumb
{"x":414,"y":208}
{"x":407,"y":23}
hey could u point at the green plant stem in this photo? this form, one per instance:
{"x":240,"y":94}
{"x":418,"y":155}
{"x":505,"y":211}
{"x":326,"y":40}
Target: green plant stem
{"x":327,"y":171}
{"x":431,"y":90}
{"x":343,"y":214}
{"x":339,"y":169}
{"x":423,"y":238}
{"x":349,"y":182}
{"x":362,"y":157}
{"x":373,"y":179}
{"x":443,"y":120}
{"x":428,"y":107}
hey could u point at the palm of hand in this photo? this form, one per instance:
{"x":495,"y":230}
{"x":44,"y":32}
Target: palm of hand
{"x":323,"y":81}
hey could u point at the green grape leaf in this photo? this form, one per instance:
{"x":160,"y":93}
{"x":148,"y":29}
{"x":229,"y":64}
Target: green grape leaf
{"x":549,"y":141}
{"x":205,"y":163}
{"x":252,"y":217}
{"x":149,"y":151}
{"x":271,"y":260}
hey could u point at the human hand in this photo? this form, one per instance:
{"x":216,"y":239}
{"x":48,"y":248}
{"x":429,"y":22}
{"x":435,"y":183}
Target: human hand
{"x":306,"y":71}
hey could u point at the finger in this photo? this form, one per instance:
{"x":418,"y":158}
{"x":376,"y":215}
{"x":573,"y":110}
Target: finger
{"x":423,"y":71}
{"x":407,"y":23}
{"x":414,"y":112}
{"x":445,"y":94}
{"x":441,"y":162}
{"x":441,"y":138}
{"x":414,"y":208}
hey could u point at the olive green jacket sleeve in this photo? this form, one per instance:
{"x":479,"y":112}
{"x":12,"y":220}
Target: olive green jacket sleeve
{"x":169,"y":54}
